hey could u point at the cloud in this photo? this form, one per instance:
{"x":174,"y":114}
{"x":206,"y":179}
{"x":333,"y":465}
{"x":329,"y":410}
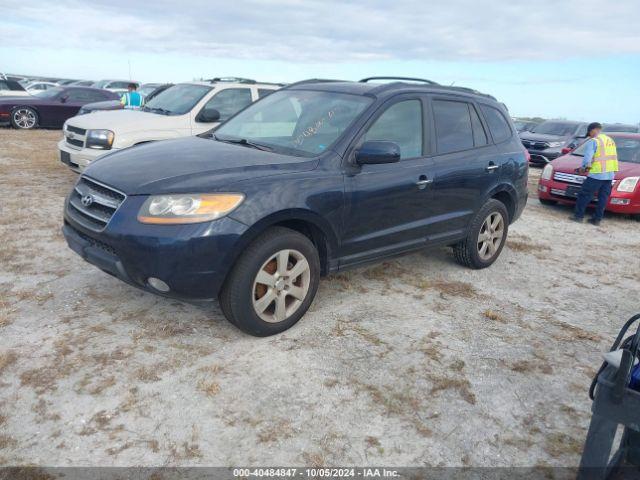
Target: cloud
{"x":330,"y":31}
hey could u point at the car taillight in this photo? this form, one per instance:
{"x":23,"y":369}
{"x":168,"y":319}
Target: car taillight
{"x":527,"y":155}
{"x":566,"y":150}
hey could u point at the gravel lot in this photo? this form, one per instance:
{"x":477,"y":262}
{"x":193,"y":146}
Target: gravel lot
{"x":415,"y":361}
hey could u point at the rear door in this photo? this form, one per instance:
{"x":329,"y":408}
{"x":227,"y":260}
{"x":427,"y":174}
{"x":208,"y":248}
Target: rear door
{"x":386,"y":205}
{"x":464,"y":165}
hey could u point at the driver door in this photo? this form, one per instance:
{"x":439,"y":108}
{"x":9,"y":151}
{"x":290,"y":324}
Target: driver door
{"x":387,"y":204}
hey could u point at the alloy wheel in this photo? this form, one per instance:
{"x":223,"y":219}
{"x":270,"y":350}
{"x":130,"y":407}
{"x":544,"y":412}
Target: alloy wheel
{"x":24,"y":118}
{"x":491,"y":235}
{"x":281,"y":286}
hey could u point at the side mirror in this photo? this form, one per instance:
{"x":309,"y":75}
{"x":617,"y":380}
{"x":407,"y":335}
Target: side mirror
{"x":376,"y":151}
{"x":209,"y":115}
{"x":63,"y":99}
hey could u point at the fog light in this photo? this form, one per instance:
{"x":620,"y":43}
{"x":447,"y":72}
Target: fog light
{"x":619,"y":201}
{"x":542,"y":188}
{"x":158,"y":284}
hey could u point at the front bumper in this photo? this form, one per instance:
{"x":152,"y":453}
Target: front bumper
{"x":619,"y":202}
{"x":542,"y":157}
{"x":193,"y":260}
{"x":77,"y":159}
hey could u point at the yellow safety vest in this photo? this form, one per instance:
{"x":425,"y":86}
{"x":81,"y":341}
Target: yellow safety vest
{"x":606,"y":157}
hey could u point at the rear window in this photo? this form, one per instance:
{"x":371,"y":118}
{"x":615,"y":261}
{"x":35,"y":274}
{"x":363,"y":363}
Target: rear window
{"x":453,"y":126}
{"x":498,"y":125}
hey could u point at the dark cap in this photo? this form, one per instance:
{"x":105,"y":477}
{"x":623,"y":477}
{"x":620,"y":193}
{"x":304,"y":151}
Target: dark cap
{"x":593,"y":125}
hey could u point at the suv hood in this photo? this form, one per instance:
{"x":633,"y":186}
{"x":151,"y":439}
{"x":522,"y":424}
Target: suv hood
{"x":189,"y":165}
{"x":542,"y":137}
{"x":568,"y":164}
{"x":119,"y":121}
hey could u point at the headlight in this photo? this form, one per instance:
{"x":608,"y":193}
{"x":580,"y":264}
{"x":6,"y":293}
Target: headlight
{"x":628,"y":184}
{"x":556,"y":144}
{"x":547,"y":173}
{"x":189,"y":208}
{"x":100,"y":139}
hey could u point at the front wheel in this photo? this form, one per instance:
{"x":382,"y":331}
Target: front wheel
{"x":272,"y":284}
{"x":24,"y":118}
{"x":486,"y":238}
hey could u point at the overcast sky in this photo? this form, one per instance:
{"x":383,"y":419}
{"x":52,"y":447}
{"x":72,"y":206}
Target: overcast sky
{"x":573,"y":59}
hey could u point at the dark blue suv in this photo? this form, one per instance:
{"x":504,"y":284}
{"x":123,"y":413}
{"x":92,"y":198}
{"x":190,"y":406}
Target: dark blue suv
{"x":314,"y":178}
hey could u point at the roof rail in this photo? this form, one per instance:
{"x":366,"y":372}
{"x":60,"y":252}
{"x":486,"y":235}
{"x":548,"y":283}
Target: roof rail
{"x":466,"y":90}
{"x":230,"y":79}
{"x":311,"y":80}
{"x":410,"y":79}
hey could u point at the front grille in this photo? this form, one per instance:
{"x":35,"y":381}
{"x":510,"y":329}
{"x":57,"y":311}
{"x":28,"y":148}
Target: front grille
{"x":75,"y":136}
{"x":92,"y":204}
{"x":569,"y":178}
{"x":535,"y":145}
{"x":79,"y":131}
{"x":76,"y":142}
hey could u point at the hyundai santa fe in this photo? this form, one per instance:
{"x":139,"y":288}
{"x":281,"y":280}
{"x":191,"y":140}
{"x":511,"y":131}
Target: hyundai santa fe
{"x":312,"y":179}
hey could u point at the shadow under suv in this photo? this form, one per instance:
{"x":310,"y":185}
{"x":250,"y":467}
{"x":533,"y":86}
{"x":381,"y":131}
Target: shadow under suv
{"x":314,"y":178}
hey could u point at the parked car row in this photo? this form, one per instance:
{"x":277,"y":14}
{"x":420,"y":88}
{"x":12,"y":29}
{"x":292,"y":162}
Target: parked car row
{"x":180,"y":110}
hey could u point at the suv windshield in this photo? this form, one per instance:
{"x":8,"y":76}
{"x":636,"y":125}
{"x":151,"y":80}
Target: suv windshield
{"x":50,"y":93}
{"x":298,"y":122}
{"x":560,"y":129}
{"x":177,"y":100}
{"x":628,"y":149}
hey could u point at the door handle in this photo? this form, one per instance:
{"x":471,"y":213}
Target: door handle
{"x":423,"y":181}
{"x":491,"y":167}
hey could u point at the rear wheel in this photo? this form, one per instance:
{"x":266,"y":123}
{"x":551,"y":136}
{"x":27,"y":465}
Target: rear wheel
{"x":272,"y":284}
{"x":546,"y":201}
{"x":24,"y":118}
{"x":486,"y":238}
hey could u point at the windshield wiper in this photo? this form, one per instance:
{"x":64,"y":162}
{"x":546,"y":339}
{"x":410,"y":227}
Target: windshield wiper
{"x":159,"y":110}
{"x":245,"y":142}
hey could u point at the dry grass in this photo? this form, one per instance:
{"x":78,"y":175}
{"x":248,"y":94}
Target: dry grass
{"x":280,"y":430}
{"x":7,"y":359}
{"x":495,"y":316}
{"x":558,"y":444}
{"x":209,"y":388}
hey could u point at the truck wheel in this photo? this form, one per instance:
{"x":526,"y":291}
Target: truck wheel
{"x":272,"y":284}
{"x":546,"y":201}
{"x":24,"y":118}
{"x":486,"y":238}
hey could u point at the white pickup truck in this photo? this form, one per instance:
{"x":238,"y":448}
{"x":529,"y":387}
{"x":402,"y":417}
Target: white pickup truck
{"x":182,"y":110}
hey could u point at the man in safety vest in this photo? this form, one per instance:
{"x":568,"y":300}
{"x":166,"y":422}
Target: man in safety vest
{"x":132,"y":99}
{"x":600,"y":162}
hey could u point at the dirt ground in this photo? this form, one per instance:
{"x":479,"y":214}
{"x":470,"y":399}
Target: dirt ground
{"x":415,"y":361}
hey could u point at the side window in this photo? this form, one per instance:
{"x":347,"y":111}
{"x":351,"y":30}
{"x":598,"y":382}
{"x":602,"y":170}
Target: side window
{"x":479,"y":135}
{"x":499,"y":127}
{"x":453,"y":126}
{"x":263,"y":92}
{"x":229,"y":101}
{"x":400,"y":123}
{"x":4,"y":86}
{"x":79,"y":96}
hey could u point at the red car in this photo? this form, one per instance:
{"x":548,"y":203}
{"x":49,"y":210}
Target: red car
{"x":559,"y":183}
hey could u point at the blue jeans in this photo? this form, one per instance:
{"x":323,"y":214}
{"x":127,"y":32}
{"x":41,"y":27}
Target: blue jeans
{"x":591,"y":187}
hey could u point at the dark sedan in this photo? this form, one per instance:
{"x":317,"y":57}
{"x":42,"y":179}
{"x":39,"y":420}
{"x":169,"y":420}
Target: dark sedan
{"x":50,"y":108}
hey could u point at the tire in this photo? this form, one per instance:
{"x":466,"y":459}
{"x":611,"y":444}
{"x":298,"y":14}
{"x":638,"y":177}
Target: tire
{"x":24,"y":118}
{"x":546,"y":201}
{"x":263,"y":309}
{"x":469,"y":252}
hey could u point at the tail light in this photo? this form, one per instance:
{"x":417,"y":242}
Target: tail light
{"x":527,"y":155}
{"x":566,"y":150}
